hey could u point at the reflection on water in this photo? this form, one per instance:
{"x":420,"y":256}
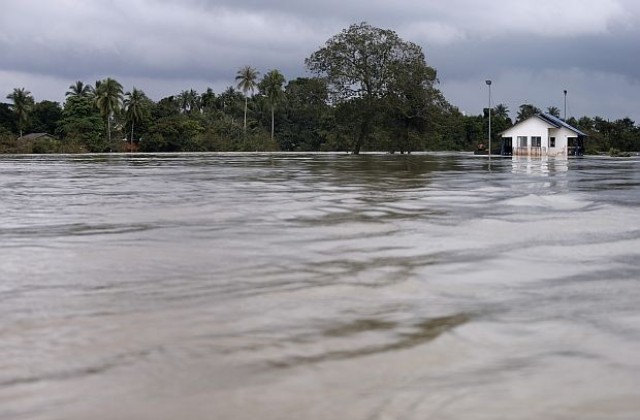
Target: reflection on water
{"x":543,"y":166}
{"x":282,"y":286}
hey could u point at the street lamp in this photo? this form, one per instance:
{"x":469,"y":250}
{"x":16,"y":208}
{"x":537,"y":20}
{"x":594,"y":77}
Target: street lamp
{"x":488,"y":82}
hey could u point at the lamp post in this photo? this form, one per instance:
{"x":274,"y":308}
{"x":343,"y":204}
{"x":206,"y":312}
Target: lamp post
{"x":488,"y":82}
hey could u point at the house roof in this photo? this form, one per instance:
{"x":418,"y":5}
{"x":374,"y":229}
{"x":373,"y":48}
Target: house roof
{"x":34,"y":136}
{"x":550,"y":120}
{"x":557,"y":122}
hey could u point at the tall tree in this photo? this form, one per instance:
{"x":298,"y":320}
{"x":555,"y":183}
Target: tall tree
{"x":45,"y":117}
{"x":553,"y":111}
{"x":108,"y":100}
{"x":363,"y":65}
{"x":208,"y":100}
{"x":246,"y":78}
{"x":527,"y":110}
{"x":272,"y":87}
{"x":79,"y":89}
{"x":22,"y":105}
{"x":307,"y":115}
{"x":135,"y":106}
{"x":501,"y":111}
{"x":82,"y":124}
{"x":189,"y":101}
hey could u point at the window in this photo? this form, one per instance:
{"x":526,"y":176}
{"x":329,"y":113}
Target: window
{"x":552,"y":142}
{"x":536,"y":141}
{"x":522,"y":141}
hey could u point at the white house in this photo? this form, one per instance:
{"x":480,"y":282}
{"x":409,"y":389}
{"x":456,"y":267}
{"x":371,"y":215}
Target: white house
{"x":543,"y":135}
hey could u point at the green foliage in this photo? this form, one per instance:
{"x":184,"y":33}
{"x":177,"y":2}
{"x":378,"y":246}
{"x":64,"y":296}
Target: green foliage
{"x":8,"y":119}
{"x":137,"y":111}
{"x":108,"y":99}
{"x":383,"y":79}
{"x":81,"y":124}
{"x":271,"y":87}
{"x":45,"y":117}
{"x":372,"y":91}
{"x":80,"y":89}
{"x":527,"y":110}
{"x":22,"y":106}
{"x":246,"y":78}
{"x":8,"y":141}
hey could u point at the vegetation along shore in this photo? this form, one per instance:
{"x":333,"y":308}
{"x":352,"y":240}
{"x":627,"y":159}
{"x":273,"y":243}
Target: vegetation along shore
{"x":370,"y":90}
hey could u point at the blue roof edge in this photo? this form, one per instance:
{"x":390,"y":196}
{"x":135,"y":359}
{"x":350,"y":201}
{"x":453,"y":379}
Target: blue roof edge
{"x":559,"y":123}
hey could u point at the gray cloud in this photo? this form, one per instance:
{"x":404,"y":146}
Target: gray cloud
{"x":531,"y":48}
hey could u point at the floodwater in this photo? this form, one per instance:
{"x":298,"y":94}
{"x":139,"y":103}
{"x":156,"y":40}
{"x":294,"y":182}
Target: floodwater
{"x":319,"y":286}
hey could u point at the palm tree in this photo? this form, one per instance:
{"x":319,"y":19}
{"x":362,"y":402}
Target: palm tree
{"x":189,"y":101}
{"x":553,"y":111}
{"x":22,"y":105}
{"x":79,"y":89}
{"x":271,"y":86}
{"x":208,"y":99}
{"x":108,"y":99}
{"x":501,"y":111}
{"x":134,"y":105}
{"x":246,"y":78}
{"x":526,"y":111}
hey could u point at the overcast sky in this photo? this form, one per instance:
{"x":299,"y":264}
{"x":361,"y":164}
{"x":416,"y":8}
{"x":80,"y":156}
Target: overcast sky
{"x":532,"y":50}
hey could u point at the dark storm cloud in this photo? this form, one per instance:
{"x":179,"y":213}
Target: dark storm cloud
{"x":165,"y":46}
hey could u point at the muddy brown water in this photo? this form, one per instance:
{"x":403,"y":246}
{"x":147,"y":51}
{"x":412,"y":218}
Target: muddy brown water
{"x":319,"y":286}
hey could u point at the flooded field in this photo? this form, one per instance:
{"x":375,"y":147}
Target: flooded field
{"x":319,"y":286}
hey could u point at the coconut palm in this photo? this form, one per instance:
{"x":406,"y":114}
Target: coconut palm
{"x":208,"y":99}
{"x":134,"y":105}
{"x":108,"y":100}
{"x":554,"y":111}
{"x":189,"y":101}
{"x":271,"y":86}
{"x":501,"y":111}
{"x":22,"y":105}
{"x":527,"y":110}
{"x":79,"y":89}
{"x":246,"y":78}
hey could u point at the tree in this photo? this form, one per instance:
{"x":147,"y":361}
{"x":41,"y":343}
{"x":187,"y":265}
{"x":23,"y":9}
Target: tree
{"x":246,"y":78}
{"x":553,"y":111}
{"x":189,"y":101}
{"x":79,"y":89}
{"x":135,"y":105}
{"x":271,"y":86}
{"x":8,"y":119}
{"x":22,"y":105}
{"x":82,"y":124}
{"x":526,"y":111}
{"x":364,"y":65}
{"x":108,"y":100}
{"x":208,"y":100}
{"x":501,"y":111}
{"x":308,"y":117}
{"x":45,"y":117}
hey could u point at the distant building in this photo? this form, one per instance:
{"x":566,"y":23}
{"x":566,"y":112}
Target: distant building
{"x":543,"y":135}
{"x":37,"y":136}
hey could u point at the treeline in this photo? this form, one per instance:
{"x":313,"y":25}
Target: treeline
{"x":371,"y":90}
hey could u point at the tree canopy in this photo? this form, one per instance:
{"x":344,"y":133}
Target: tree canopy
{"x":370,"y":91}
{"x":374,"y":70}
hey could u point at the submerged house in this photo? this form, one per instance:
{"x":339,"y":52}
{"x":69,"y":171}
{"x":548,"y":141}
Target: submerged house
{"x":543,"y":135}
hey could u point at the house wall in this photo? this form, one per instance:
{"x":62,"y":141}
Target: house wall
{"x":562,"y":135}
{"x":533,"y":127}
{"x":536,"y":127}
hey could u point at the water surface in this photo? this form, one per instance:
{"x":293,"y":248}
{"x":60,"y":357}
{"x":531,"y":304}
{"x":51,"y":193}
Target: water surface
{"x":319,"y":286}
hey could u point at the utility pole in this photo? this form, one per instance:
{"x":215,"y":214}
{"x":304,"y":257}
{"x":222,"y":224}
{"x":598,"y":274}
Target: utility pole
{"x":488,"y":82}
{"x":565,"y":105}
